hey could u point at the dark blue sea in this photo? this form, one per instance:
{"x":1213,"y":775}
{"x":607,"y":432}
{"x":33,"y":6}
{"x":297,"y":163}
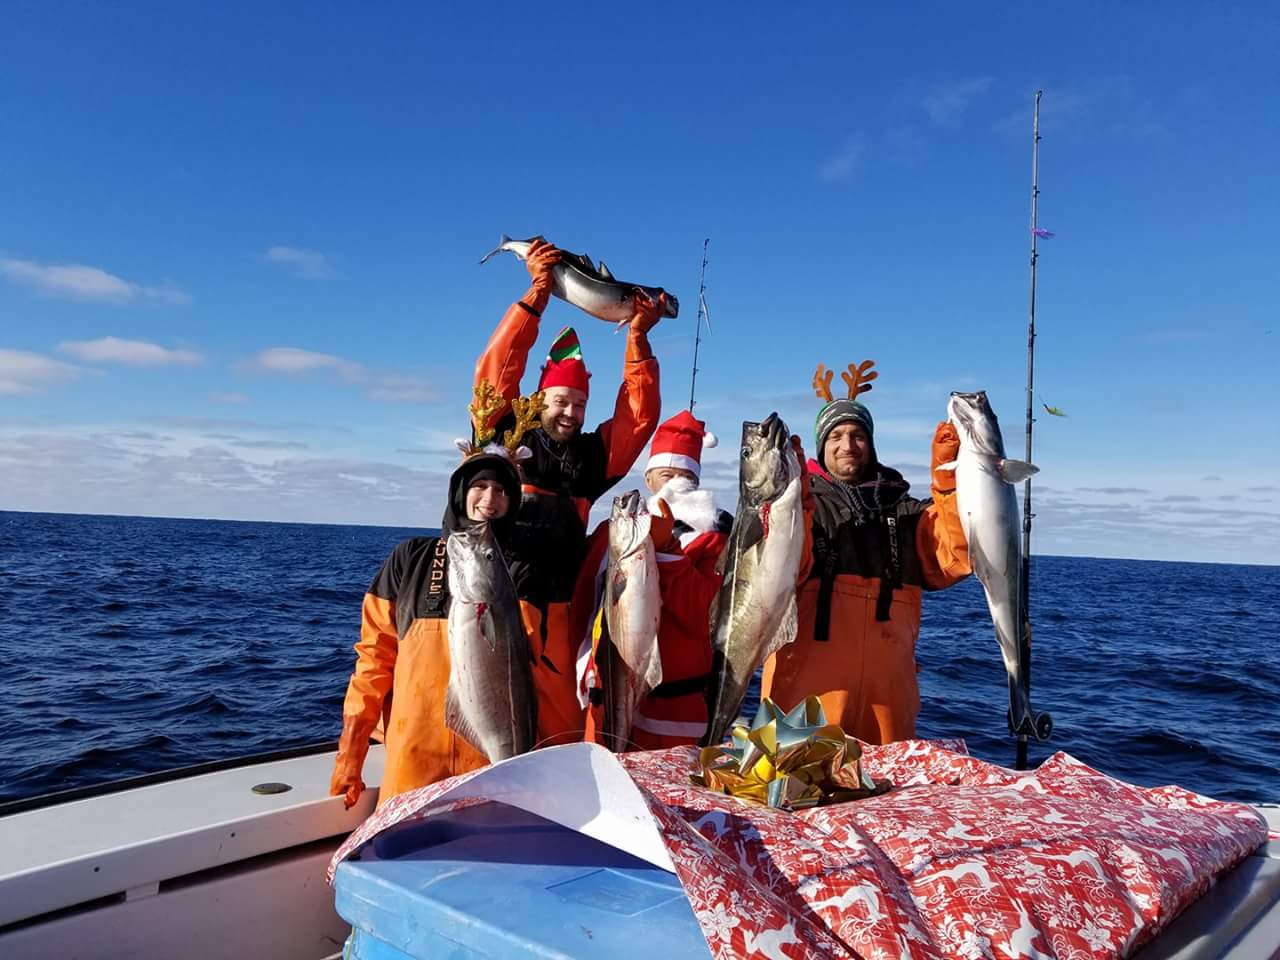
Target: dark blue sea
{"x":132,"y":645}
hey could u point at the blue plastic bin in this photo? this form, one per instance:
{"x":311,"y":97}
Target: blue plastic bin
{"x":494,"y":881}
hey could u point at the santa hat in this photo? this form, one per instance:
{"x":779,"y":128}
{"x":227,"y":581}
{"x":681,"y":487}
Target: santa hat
{"x":564,"y":366}
{"x":679,"y":443}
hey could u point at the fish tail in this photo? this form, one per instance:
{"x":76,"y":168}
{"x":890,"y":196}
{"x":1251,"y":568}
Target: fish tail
{"x":498,"y":249}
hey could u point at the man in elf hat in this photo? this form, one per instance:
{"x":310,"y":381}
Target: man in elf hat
{"x":402,"y":658}
{"x":875,"y":549}
{"x":689,"y":533}
{"x":568,"y":470}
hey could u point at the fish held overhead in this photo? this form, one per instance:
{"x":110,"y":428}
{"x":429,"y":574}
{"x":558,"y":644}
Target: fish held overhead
{"x":989,"y":514}
{"x":591,"y":288}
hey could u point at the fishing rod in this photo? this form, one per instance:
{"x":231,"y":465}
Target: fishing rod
{"x":1025,"y":585}
{"x":702,"y":313}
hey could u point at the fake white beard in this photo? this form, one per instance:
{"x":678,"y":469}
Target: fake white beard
{"x":688,"y":504}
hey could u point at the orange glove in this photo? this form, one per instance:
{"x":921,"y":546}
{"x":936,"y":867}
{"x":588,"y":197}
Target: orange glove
{"x":946,"y":447}
{"x":352,"y":747}
{"x":647,"y":312}
{"x":662,"y":529}
{"x":806,"y":495}
{"x":541,"y":258}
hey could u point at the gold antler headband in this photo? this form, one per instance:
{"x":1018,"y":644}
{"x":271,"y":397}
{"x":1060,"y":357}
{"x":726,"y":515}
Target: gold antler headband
{"x":857,"y":380}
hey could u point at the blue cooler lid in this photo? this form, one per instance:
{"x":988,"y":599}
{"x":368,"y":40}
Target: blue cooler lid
{"x":494,"y":881}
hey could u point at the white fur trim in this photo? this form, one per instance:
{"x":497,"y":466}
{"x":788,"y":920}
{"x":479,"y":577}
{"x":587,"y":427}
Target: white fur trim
{"x":464,"y":446}
{"x":678,"y":460}
{"x":688,"y":504}
{"x":709,"y":440}
{"x":668,"y":557}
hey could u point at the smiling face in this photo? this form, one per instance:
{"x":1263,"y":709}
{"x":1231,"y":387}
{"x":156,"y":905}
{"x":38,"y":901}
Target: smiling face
{"x":846,"y":453}
{"x":564,"y":413}
{"x":486,"y":500}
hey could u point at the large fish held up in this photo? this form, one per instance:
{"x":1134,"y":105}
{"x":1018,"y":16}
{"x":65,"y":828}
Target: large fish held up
{"x":988,"y":509}
{"x":490,"y":700}
{"x":575,"y":279}
{"x":630,"y":664}
{"x":754,"y":614}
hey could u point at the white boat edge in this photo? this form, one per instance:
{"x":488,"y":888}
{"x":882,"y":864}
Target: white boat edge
{"x":203,"y":867}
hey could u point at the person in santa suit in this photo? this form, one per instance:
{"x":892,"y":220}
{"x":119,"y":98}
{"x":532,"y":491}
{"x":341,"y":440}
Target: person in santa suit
{"x":689,"y":532}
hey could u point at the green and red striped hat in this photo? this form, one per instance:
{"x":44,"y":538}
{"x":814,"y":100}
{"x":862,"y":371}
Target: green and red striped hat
{"x":564,"y":366}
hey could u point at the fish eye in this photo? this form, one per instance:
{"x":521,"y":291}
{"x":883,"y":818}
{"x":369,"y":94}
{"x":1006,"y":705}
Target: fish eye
{"x":746,"y":451}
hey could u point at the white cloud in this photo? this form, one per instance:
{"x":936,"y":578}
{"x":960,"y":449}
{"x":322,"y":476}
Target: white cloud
{"x":295,"y":360}
{"x":842,"y":165}
{"x":23,"y":372}
{"x":134,"y":353}
{"x":90,"y":284}
{"x":379,"y":385}
{"x":946,"y":103}
{"x":302,"y":263}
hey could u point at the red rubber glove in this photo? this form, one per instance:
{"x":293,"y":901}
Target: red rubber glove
{"x":806,"y":495}
{"x":352,"y":747}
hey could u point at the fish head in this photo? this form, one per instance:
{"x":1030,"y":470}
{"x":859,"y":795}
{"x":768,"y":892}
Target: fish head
{"x":976,"y":423}
{"x":768,"y":463}
{"x":673,"y":306}
{"x":628,"y":522}
{"x":475,"y":563}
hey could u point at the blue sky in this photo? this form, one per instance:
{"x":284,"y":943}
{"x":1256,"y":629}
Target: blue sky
{"x":238,"y":250}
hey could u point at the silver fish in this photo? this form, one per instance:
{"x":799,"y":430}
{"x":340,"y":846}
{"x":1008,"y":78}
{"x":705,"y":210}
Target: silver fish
{"x":575,"y":279}
{"x":490,"y":700}
{"x":989,"y":514}
{"x":754,"y":614}
{"x":632,"y":607}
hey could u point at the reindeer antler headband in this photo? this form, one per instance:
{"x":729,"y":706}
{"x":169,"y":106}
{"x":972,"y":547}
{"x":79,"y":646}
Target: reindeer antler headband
{"x":486,"y":409}
{"x":857,"y":379}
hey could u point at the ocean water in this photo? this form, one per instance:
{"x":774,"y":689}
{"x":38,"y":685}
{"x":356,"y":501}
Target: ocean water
{"x":133,"y":645}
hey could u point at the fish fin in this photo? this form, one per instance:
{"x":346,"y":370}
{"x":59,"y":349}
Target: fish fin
{"x":498,"y":249}
{"x":457,"y":721}
{"x":604,"y":271}
{"x":1015,"y":471}
{"x":786,"y":631}
{"x":750,"y":530}
{"x":949,"y":465}
{"x":621,"y":324}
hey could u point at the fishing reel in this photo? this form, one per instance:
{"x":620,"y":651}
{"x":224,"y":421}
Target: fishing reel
{"x":1038,"y":726}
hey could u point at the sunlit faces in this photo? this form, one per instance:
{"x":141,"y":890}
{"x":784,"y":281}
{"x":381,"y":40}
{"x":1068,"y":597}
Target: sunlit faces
{"x":486,"y":500}
{"x":656,"y":478}
{"x":564,"y":413}
{"x":847,"y":451}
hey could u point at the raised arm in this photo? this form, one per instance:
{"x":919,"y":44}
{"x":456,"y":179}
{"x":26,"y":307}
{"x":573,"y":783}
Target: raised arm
{"x":940,"y":541}
{"x":639,"y":403}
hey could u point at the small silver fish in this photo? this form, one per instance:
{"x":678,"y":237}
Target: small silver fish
{"x":576,"y":280}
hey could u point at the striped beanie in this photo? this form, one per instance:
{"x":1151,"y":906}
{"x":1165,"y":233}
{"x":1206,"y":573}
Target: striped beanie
{"x":842,"y":411}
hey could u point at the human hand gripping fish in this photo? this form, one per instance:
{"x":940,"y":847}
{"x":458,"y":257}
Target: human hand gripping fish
{"x":592,"y":289}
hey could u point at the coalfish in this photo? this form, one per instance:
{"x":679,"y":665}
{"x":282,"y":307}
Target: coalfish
{"x":632,"y":606}
{"x":575,"y":279}
{"x":490,"y":701}
{"x":754,"y":614}
{"x":988,"y":509}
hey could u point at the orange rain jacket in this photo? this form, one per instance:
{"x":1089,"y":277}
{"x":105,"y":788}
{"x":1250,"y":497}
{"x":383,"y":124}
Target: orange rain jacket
{"x":859,"y":611}
{"x":560,"y":483}
{"x":402,"y":658}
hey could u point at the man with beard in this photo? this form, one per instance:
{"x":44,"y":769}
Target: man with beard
{"x":568,"y":471}
{"x":875,"y":548}
{"x":689,"y":533}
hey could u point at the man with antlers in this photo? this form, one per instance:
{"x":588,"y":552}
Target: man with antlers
{"x":569,"y":469}
{"x":875,"y":549}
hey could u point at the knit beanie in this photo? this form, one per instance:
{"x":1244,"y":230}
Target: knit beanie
{"x":842,"y":411}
